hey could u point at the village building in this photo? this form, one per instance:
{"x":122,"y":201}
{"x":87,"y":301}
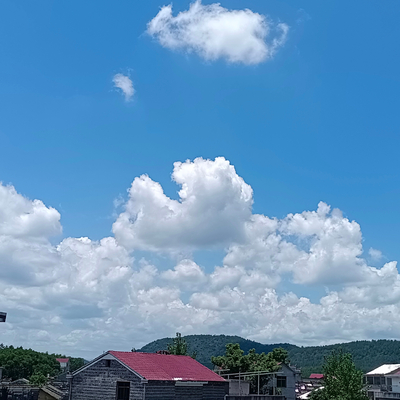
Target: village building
{"x":119,"y":375}
{"x":281,"y":384}
{"x":384,"y":382}
{"x":316,"y":377}
{"x":64,"y":364}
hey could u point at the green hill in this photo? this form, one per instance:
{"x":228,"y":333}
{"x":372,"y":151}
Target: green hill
{"x":207,"y":346}
{"x":367,"y":355}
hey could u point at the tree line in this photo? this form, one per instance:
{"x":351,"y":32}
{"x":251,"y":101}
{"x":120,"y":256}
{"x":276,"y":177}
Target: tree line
{"x":18,"y":362}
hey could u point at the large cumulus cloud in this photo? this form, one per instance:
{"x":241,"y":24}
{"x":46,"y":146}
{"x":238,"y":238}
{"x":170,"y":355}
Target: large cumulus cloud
{"x":82,"y":296}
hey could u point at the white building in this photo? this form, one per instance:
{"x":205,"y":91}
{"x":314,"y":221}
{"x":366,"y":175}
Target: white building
{"x":384,"y":382}
{"x":64,"y":364}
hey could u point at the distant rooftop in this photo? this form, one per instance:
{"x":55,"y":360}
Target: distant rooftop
{"x":316,"y":376}
{"x":385,"y":369}
{"x":62,"y":360}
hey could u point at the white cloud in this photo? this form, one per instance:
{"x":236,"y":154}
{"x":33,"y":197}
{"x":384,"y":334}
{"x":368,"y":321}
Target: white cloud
{"x":124,"y":83}
{"x":21,"y":217}
{"x":238,"y":36}
{"x":375,"y":254}
{"x":187,"y":275}
{"x":334,"y":246}
{"x":83,"y":296}
{"x":214,"y":204}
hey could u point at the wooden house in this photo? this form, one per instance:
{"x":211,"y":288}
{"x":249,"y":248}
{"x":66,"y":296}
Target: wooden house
{"x":146,"y":376}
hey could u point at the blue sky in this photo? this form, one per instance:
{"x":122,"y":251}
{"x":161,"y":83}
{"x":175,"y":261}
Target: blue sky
{"x":318,"y":121}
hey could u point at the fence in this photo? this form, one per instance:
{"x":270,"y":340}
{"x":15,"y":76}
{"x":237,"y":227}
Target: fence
{"x":255,"y":397}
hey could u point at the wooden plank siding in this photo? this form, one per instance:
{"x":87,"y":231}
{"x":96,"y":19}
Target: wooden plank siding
{"x":160,"y":390}
{"x":157,"y":390}
{"x":99,"y":382}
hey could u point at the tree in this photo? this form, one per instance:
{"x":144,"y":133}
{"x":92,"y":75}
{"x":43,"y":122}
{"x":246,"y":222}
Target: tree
{"x":18,"y":363}
{"x":233,"y":360}
{"x":179,"y":346}
{"x":75,"y":363}
{"x":38,"y":379}
{"x":342,"y":380}
{"x":236,"y":361}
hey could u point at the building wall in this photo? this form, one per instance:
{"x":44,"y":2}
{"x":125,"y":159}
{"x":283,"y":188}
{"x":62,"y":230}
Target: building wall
{"x":396,"y":384}
{"x":239,"y":388}
{"x":156,"y":390}
{"x":45,"y":396}
{"x":99,"y":382}
{"x":159,"y":390}
{"x":189,"y":392}
{"x":289,"y":391}
{"x":215,"y":390}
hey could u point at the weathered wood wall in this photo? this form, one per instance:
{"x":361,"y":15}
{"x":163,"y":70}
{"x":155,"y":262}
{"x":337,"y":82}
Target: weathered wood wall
{"x":99,"y":382}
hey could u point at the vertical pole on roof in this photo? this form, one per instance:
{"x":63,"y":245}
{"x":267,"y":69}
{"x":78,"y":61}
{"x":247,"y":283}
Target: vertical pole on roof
{"x":258,"y":384}
{"x":274,"y":382}
{"x":240,"y":392}
{"x":69,"y":378}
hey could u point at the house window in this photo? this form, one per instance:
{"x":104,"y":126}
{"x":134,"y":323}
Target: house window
{"x":281,"y":381}
{"x":123,"y":389}
{"x":370,"y":380}
{"x":377,"y":380}
{"x":108,"y":363}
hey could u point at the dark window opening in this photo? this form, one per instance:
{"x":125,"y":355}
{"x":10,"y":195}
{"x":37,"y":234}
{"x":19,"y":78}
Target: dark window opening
{"x":379,"y":380}
{"x":108,"y":363}
{"x":123,"y":389}
{"x":281,"y":381}
{"x":370,"y":380}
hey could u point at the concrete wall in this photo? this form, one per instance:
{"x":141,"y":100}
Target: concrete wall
{"x":289,"y":391}
{"x":236,"y":389}
{"x":396,"y":384}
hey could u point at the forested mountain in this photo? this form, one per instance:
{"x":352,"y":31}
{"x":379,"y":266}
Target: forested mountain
{"x":367,"y":355}
{"x":207,"y":346}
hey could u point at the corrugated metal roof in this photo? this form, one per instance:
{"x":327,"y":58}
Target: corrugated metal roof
{"x":316,"y":376}
{"x":162,"y":367}
{"x":385,"y":369}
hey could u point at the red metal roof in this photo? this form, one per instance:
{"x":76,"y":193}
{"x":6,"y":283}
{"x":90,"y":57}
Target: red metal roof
{"x":162,"y":367}
{"x":62,"y":360}
{"x":316,"y":376}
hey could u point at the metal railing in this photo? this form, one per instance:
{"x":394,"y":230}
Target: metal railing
{"x":255,"y":397}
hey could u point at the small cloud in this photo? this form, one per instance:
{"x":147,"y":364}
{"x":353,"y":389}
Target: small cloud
{"x":375,"y":254}
{"x":214,"y":32}
{"x":124,"y":83}
{"x":303,"y":16}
